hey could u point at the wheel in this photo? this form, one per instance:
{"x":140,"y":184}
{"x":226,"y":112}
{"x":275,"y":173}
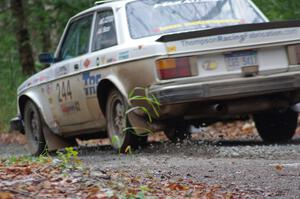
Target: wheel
{"x":178,"y":131}
{"x":34,"y":129}
{"x":116,"y":108}
{"x":276,"y":125}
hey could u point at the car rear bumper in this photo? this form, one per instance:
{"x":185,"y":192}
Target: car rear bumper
{"x":16,"y":124}
{"x":226,"y":89}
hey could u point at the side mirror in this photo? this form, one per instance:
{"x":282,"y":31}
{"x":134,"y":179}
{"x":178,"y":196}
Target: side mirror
{"x":46,"y":58}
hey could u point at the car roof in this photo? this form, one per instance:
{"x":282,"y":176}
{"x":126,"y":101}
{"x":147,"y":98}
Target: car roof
{"x":102,"y":4}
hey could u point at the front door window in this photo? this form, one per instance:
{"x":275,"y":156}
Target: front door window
{"x":77,"y":39}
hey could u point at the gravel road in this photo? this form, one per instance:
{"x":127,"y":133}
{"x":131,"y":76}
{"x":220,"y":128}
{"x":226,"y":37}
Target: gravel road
{"x":248,"y":167}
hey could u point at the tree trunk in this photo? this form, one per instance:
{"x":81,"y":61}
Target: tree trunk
{"x":23,"y":38}
{"x":44,"y":30}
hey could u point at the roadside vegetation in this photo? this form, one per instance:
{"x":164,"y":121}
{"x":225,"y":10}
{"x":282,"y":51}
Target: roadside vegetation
{"x":63,"y":176}
{"x":44,"y":21}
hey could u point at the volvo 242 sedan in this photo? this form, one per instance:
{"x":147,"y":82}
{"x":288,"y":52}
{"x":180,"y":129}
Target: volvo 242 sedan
{"x":202,"y":60}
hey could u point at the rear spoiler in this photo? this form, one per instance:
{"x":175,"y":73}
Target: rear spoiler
{"x":229,"y":30}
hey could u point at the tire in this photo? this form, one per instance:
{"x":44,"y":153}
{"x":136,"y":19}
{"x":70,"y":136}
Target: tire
{"x":116,"y":108}
{"x":33,"y":126}
{"x":276,"y":126}
{"x":178,"y":132}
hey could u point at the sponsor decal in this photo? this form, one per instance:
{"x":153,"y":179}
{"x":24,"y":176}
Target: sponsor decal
{"x":35,"y":81}
{"x":43,"y":78}
{"x":90,"y":83}
{"x":210,"y":65}
{"x":49,"y":89}
{"x":140,"y":47}
{"x":124,"y":55}
{"x":103,"y":29}
{"x":199,"y":23}
{"x":50,"y":100}
{"x":86,"y":63}
{"x":240,"y":37}
{"x":175,"y":3}
{"x":70,"y":107}
{"x":111,"y":60}
{"x":60,"y":71}
{"x":103,"y":60}
{"x":171,"y":49}
{"x":105,"y":20}
{"x":98,"y":61}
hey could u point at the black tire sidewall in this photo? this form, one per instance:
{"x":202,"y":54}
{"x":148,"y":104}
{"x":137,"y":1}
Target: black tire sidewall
{"x":130,"y":139}
{"x":177,"y":131}
{"x":276,"y":126}
{"x":35,"y":148}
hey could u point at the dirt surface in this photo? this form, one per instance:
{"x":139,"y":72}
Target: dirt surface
{"x":241,"y":165}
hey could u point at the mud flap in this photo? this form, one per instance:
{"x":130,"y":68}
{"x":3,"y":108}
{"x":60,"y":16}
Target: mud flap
{"x":55,"y":142}
{"x":141,"y":125}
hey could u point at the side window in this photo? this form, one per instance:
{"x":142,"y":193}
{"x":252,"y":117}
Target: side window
{"x":105,"y":31}
{"x":76,"y":41}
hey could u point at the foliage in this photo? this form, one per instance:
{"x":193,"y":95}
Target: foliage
{"x":29,"y":179}
{"x":46,"y":20}
{"x":280,"y":9}
{"x":150,"y":106}
{"x":10,"y":79}
{"x":69,"y":159}
{"x":23,"y":160}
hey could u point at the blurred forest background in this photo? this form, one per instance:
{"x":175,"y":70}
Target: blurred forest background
{"x":28,"y":27}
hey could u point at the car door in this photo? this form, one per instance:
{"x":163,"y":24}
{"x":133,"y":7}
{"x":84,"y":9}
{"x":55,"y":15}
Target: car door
{"x":69,"y":106}
{"x":103,"y":46}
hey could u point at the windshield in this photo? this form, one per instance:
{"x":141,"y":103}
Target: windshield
{"x":156,"y":17}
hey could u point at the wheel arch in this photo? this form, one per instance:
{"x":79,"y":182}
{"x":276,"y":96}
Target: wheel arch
{"x":30,"y":96}
{"x":104,"y":88}
{"x":22,"y":102}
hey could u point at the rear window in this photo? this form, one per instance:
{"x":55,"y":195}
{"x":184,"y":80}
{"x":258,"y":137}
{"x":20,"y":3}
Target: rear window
{"x":156,"y":17}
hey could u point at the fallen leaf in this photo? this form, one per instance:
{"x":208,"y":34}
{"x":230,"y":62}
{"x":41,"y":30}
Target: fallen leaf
{"x":279,"y":167}
{"x":177,"y":187}
{"x":6,"y":195}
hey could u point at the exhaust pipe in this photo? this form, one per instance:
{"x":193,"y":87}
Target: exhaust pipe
{"x":218,"y":108}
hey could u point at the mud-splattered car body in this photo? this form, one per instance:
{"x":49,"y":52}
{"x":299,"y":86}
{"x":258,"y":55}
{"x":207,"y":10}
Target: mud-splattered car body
{"x":227,"y":61}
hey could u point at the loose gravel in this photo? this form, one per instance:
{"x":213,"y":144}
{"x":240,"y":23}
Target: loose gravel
{"x":246,"y":166}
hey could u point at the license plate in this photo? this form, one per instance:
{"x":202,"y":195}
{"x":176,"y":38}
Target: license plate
{"x":238,"y":60}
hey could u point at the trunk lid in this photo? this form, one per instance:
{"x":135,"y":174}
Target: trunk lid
{"x":232,"y":51}
{"x":230,"y":37}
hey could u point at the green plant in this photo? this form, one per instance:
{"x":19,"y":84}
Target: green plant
{"x":153,"y":107}
{"x":24,"y":160}
{"x":116,"y":141}
{"x":69,"y":159}
{"x":150,"y":106}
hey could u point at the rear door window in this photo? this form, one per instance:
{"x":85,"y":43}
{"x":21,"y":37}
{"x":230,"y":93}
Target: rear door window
{"x":105,"y":31}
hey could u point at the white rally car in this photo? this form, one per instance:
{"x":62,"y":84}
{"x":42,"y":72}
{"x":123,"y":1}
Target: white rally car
{"x":202,"y":60}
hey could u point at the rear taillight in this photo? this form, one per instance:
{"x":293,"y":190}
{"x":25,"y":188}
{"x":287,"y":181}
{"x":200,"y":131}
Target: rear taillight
{"x":174,"y":68}
{"x":294,"y":54}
